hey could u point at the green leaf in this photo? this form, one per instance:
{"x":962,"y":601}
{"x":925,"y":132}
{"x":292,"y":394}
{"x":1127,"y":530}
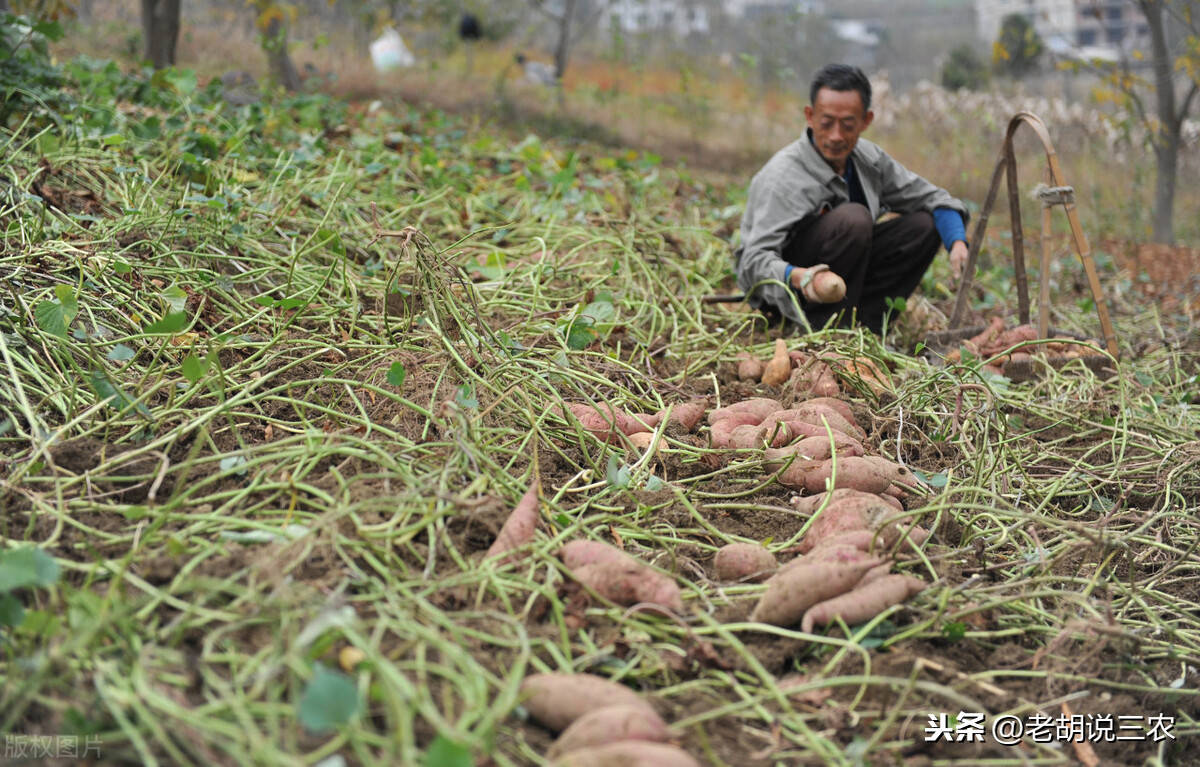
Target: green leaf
{"x":26,"y":567}
{"x":330,"y":700}
{"x":396,"y":374}
{"x":234,"y":462}
{"x":115,"y":139}
{"x":444,"y":752}
{"x":654,"y":484}
{"x":193,"y":368}
{"x":616,"y":475}
{"x":171,"y":324}
{"x":182,"y":80}
{"x":120,"y":353}
{"x":11,"y":611}
{"x":175,"y":297}
{"x":954,"y":630}
{"x":55,"y":316}
{"x":105,"y":389}
{"x":465,"y":397}
{"x":599,"y":311}
{"x":51,"y":30}
{"x":579,"y":335}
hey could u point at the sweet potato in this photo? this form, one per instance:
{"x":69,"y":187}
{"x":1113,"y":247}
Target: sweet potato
{"x":852,"y":471}
{"x":812,"y":449}
{"x":815,"y":379}
{"x":605,"y":421}
{"x":814,"y":411}
{"x":841,"y":407}
{"x":864,"y":602}
{"x":579,"y":553}
{"x":743,"y":562}
{"x":609,"y":725}
{"x":689,"y":414}
{"x":791,"y":591}
{"x":761,"y":407}
{"x":833,"y":520}
{"x":627,"y":753}
{"x":648,"y":421}
{"x":829,"y":287}
{"x":779,"y":369}
{"x":813,"y":502}
{"x":861,"y":539}
{"x":555,"y":700}
{"x":795,"y":476}
{"x":900,"y":477}
{"x":642,"y":440}
{"x":749,"y":367}
{"x":840,"y":552}
{"x":874,"y":574}
{"x":519,"y":528}
{"x":721,"y":432}
{"x":620,"y":578}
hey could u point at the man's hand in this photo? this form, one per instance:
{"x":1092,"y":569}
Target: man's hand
{"x":958,"y":259}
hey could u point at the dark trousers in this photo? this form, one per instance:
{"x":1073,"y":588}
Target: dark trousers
{"x":877,"y":261}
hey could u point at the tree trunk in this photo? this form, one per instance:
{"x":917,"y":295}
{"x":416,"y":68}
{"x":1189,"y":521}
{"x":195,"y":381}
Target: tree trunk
{"x":160,"y":27}
{"x":275,"y":44}
{"x":1165,"y":136}
{"x":562,"y":49}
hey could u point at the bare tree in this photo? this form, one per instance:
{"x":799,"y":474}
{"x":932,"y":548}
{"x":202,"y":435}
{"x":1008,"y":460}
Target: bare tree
{"x":1174,"y":83}
{"x":272,"y":22}
{"x":160,"y":27}
{"x":571,"y":23}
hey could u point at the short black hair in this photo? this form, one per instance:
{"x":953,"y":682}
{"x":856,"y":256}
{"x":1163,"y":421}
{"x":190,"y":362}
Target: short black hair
{"x":841,"y":77}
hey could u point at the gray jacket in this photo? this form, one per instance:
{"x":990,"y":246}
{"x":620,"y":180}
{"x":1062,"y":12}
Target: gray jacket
{"x":797,"y":183}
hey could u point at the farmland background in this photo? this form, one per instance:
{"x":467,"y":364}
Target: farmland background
{"x":275,"y":374}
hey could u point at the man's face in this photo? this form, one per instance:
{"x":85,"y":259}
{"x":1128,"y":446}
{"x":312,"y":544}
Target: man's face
{"x":837,"y":119}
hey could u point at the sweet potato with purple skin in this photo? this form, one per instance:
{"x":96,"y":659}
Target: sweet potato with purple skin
{"x":811,"y":503}
{"x":853,"y":471}
{"x":611,"y":724}
{"x":555,"y":700}
{"x":790,"y":592}
{"x":863,"y":603}
{"x":761,"y":407}
{"x":749,"y":367}
{"x":627,"y":753}
{"x":779,"y":368}
{"x":743,"y":562}
{"x":520,"y":526}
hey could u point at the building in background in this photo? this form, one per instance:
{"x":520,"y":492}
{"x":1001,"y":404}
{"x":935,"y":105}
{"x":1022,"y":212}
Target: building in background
{"x":1073,"y":29}
{"x":680,"y":17}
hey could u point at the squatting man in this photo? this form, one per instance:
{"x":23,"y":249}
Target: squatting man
{"x":814,"y":210}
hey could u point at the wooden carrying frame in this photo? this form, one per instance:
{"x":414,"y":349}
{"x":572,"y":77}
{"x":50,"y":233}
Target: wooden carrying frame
{"x":1053,"y":192}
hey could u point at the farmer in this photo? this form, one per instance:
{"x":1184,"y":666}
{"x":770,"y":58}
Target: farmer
{"x":815,"y":207}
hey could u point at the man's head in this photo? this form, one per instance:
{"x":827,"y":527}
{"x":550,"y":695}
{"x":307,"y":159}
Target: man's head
{"x":840,"y":111}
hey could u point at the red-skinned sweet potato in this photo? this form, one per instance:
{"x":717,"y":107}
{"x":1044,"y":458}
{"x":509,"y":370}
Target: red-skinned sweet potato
{"x":811,"y":503}
{"x":795,"y":476}
{"x":901,"y":478}
{"x":833,"y":402}
{"x":791,"y":591}
{"x":815,"y":379}
{"x":863,"y":603}
{"x":578,"y":553}
{"x":520,"y":526}
{"x":721,"y":432}
{"x":555,"y":700}
{"x":749,"y":367}
{"x":743,"y":562}
{"x":605,"y":421}
{"x":611,"y":724}
{"x":618,"y":577}
{"x":852,"y":471}
{"x":689,"y":414}
{"x":755,"y":406}
{"x":817,"y":413}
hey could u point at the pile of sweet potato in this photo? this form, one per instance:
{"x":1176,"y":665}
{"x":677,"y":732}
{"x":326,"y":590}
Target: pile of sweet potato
{"x":995,"y":341}
{"x":809,"y":374}
{"x":599,"y":723}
